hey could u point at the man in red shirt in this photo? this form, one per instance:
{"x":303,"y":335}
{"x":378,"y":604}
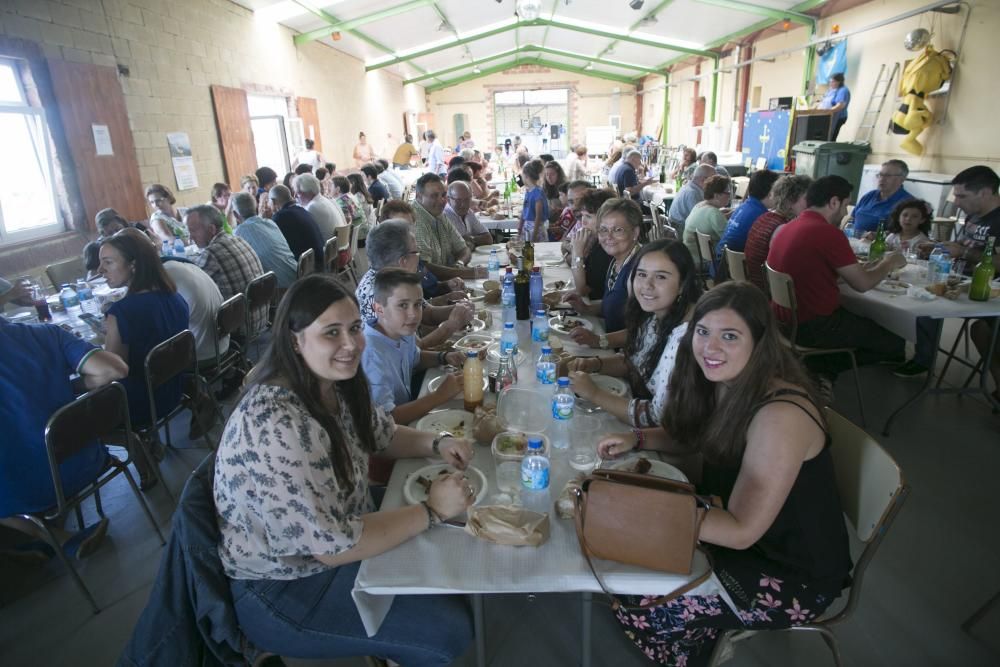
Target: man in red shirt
{"x":815,"y":253}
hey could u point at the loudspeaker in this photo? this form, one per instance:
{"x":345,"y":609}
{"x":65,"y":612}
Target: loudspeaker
{"x":554,"y":130}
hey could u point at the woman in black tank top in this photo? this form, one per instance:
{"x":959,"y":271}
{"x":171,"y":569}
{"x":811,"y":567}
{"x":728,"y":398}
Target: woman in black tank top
{"x":779,"y":543}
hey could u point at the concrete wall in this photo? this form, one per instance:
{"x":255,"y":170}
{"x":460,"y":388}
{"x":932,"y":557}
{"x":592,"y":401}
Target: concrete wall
{"x":967,"y":135}
{"x":595,"y":99}
{"x":175,"y":49}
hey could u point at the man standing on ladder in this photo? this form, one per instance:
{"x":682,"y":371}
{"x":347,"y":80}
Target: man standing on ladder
{"x":837,"y":98}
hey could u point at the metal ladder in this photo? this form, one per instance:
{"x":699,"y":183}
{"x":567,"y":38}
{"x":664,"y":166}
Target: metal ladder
{"x":876,"y":102}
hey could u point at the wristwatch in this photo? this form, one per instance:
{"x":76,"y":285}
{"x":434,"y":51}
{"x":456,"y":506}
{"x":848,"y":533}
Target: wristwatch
{"x":436,"y":443}
{"x":602,"y":341}
{"x":432,"y":518}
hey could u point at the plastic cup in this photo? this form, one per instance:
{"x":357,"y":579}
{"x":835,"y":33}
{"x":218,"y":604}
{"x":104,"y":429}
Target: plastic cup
{"x":584,"y":431}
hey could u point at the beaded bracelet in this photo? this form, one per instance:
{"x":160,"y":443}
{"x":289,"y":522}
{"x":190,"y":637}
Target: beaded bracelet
{"x":639,"y":439}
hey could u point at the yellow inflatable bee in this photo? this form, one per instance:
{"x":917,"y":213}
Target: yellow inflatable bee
{"x":925,"y":74}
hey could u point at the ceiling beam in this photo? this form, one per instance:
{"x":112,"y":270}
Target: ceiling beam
{"x":537,"y":23}
{"x":660,"y":7}
{"x":344,"y":26}
{"x":590,"y":59}
{"x":467,"y":65}
{"x":776,"y":14}
{"x":531,"y":61}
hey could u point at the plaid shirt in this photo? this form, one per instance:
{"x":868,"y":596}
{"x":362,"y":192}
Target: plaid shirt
{"x":438,"y":240}
{"x":232,"y":264}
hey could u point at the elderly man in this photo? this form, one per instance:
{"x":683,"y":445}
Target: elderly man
{"x":440,"y":244}
{"x":325,"y":212}
{"x":228,"y":260}
{"x":690,"y":194}
{"x":392,"y":243}
{"x":627,"y":182}
{"x":296,"y":224}
{"x":266,"y":240}
{"x":389,"y":179}
{"x":816,"y":255}
{"x":876,"y":205}
{"x":459,"y":212}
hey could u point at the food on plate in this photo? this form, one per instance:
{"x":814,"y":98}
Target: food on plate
{"x":559,"y":284}
{"x":569,"y":323}
{"x":895,"y":284}
{"x":512,"y":444}
{"x":475,"y":344}
{"x":642,"y":466}
{"x":425,"y":483}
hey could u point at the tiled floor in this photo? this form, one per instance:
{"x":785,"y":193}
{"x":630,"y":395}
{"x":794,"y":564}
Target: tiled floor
{"x":937,"y":565}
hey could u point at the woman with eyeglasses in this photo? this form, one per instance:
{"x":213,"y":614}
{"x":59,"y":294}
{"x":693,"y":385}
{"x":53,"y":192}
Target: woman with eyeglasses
{"x":291,"y":495}
{"x":618,"y":224}
{"x":167,"y":219}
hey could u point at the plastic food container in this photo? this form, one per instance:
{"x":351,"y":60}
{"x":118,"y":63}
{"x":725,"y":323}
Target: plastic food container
{"x":512,"y":445}
{"x":523,"y":410}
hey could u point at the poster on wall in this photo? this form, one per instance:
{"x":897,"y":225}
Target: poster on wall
{"x":832,"y":60}
{"x":180,"y":156}
{"x":765,"y":134}
{"x":102,"y":140}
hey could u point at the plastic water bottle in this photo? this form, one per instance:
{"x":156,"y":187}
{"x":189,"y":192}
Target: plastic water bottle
{"x":539,"y":331}
{"x":85,"y":293}
{"x":166,"y":250}
{"x":508,"y":339}
{"x":493,"y":267}
{"x":562,"y":414}
{"x":178,"y":248}
{"x":535,"y":477}
{"x":938,"y":265}
{"x":535,"y":289}
{"x":545,"y":367}
{"x":507,"y":299}
{"x":70,"y":300}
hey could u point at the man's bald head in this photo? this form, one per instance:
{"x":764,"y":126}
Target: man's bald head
{"x":279,"y":195}
{"x":460,"y":197}
{"x":702,"y":173}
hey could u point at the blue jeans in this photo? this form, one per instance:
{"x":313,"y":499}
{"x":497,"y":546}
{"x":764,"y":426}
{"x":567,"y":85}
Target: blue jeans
{"x":927,"y":332}
{"x":315,"y":618}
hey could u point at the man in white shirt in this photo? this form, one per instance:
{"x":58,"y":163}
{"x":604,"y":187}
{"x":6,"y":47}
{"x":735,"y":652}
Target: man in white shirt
{"x":389,"y":179}
{"x":325,"y":212}
{"x":435,"y":156}
{"x":203,"y":298}
{"x":459,"y":213}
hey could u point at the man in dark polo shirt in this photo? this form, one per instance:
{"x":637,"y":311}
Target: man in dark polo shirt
{"x":296,"y":224}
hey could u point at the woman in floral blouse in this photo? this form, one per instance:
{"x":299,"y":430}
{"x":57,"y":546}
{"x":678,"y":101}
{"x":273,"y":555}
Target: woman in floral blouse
{"x":291,"y":493}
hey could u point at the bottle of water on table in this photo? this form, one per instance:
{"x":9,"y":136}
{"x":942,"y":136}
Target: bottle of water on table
{"x":938,"y":265}
{"x":493,"y":267}
{"x":563,"y":402}
{"x":179,"y":247}
{"x":535,"y":477}
{"x":508,"y":340}
{"x":70,"y":300}
{"x":166,"y":249}
{"x":85,"y":293}
{"x":539,"y":331}
{"x":508,"y":301}
{"x":545,"y":367}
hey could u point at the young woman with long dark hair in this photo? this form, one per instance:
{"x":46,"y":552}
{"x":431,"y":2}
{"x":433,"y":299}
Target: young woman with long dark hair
{"x":740,"y":398}
{"x":664,"y":289}
{"x":291,"y":493}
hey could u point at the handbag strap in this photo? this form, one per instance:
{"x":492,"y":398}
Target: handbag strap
{"x":579,"y":519}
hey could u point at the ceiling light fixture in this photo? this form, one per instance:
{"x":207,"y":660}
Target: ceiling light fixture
{"x":786,"y":23}
{"x":589,"y":66}
{"x":648,"y":20}
{"x":636,"y":4}
{"x":529,"y":10}
{"x":476,"y":70}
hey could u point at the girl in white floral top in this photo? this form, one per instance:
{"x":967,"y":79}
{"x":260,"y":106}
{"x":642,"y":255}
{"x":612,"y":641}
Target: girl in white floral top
{"x":664,"y":289}
{"x":291,"y":493}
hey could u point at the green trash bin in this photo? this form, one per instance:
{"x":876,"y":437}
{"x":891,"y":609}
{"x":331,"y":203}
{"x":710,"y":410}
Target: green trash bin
{"x":828,"y":158}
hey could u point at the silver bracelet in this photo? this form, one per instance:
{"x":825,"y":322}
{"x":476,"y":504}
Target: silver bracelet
{"x":432,"y":518}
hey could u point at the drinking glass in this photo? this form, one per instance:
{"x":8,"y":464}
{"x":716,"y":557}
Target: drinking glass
{"x":583,"y":434}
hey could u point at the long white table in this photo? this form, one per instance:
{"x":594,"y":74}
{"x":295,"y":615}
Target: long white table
{"x":899,"y":313}
{"x":447,"y":560}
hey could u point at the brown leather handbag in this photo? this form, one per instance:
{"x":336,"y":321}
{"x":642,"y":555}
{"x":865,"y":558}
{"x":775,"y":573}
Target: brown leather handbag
{"x":641,"y":520}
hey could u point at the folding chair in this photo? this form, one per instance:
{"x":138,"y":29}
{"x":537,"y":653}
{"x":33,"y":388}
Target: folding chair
{"x":706,"y":247}
{"x":96,"y":415}
{"x":65,"y":272}
{"x":228,"y":321}
{"x":175,"y":356}
{"x":307,"y":263}
{"x":330,"y":249}
{"x":737,"y":263}
{"x":782,"y":289}
{"x":872,"y":490}
{"x":260,"y":294}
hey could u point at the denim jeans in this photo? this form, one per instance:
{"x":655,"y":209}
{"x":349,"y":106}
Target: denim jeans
{"x":315,"y":618}
{"x":842,"y":328}
{"x":927,"y":333}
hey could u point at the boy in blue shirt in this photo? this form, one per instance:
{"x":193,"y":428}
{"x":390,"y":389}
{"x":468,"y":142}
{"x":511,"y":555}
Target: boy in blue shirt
{"x":391,"y":353}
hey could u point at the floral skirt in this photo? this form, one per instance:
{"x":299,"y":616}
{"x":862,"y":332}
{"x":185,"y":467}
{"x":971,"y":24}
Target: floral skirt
{"x":684,"y":631}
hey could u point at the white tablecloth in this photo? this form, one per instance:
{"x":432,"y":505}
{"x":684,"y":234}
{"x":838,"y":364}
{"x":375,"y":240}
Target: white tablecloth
{"x":506,"y":224}
{"x":899,"y":313}
{"x":656,"y":193}
{"x":447,"y":560}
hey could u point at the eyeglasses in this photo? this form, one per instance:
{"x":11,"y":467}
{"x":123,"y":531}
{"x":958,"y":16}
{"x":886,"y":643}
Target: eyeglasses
{"x":884,"y":175}
{"x":612,"y":231}
{"x":462,"y":200}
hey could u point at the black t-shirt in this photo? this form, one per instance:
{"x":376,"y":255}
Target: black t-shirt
{"x":378,"y":191}
{"x":978,"y":230}
{"x":596,"y":269}
{"x":300,"y":230}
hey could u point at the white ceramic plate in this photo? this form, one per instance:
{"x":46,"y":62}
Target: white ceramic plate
{"x":436,"y":382}
{"x":610,"y":384}
{"x":893,"y":286}
{"x":456,"y":422}
{"x":414,"y":493}
{"x":658,"y":468}
{"x":486,"y":249}
{"x":493,"y":355}
{"x":474,"y":342}
{"x":555,"y":323}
